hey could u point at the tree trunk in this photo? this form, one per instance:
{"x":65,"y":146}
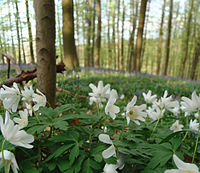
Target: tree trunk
{"x":89,"y":26}
{"x":45,"y":48}
{"x":160,"y":39}
{"x":23,"y":50}
{"x":59,"y":35}
{"x":98,"y":41}
{"x":29,"y":33}
{"x":122,"y":38}
{"x":187,"y":38}
{"x":17,"y":29}
{"x":93,"y":32}
{"x":70,"y":54}
{"x":145,"y":34}
{"x":118,"y":38}
{"x":109,"y":57}
{"x":11,"y":30}
{"x":138,"y":49}
{"x":113,"y":38}
{"x":168,"y":37}
{"x":130,"y":62}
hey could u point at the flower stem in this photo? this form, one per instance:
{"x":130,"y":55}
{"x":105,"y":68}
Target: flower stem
{"x":4,"y":162}
{"x":31,"y":108}
{"x":155,"y":126}
{"x":185,"y":136}
{"x":195,"y":149}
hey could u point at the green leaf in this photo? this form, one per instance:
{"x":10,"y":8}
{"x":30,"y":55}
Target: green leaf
{"x":59,"y":152}
{"x":87,"y":168}
{"x":66,"y":136}
{"x":63,"y":108}
{"x":27,"y":167}
{"x":94,"y":165}
{"x":63,"y":165}
{"x":37,"y":128}
{"x":63,"y":125}
{"x":51,"y":165}
{"x":111,"y":160}
{"x":73,"y":154}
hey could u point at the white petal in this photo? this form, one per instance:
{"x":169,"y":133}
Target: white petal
{"x":109,"y":152}
{"x":185,"y":166}
{"x":105,"y":138}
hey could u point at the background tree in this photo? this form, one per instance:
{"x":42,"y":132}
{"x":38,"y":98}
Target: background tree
{"x":70,"y":55}
{"x":138,"y":49}
{"x":45,"y":48}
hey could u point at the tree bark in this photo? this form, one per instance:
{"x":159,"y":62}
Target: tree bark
{"x":45,"y":48}
{"x":29,"y":33}
{"x":168,"y":37}
{"x":98,"y":40}
{"x":118,"y":38}
{"x":122,"y":37}
{"x":160,"y":39}
{"x":59,"y":35}
{"x":17,"y":29}
{"x":138,"y":49}
{"x":187,"y":38}
{"x":70,"y":55}
{"x":113,"y":38}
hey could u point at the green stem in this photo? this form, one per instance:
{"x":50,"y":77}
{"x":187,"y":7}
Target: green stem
{"x":31,"y":108}
{"x":185,"y":136}
{"x":104,"y":126}
{"x":123,"y":128}
{"x":195,"y":149}
{"x":4,"y":162}
{"x":155,"y":126}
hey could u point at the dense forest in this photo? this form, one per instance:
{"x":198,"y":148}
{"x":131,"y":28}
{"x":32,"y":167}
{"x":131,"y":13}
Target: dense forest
{"x":149,"y":36}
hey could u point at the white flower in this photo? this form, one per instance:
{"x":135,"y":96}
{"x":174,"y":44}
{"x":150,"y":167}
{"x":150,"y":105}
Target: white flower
{"x":111,"y":108}
{"x":168,"y":103}
{"x":176,"y":126}
{"x":29,"y":108}
{"x":100,"y":93}
{"x":113,"y":93}
{"x":10,"y":97}
{"x":28,"y":93}
{"x":13,"y":134}
{"x":149,"y":98}
{"x":122,"y":97}
{"x":155,"y":113}
{"x":109,"y":152}
{"x":10,"y":161}
{"x":40,"y":99}
{"x":194,"y":125}
{"x":135,"y":113}
{"x":183,"y":167}
{"x":23,"y":122}
{"x":191,"y":105}
{"x":110,"y":168}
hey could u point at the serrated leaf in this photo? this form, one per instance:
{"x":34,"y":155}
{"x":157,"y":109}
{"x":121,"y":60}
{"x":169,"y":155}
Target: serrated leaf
{"x":27,"y":167}
{"x":63,"y":165}
{"x":79,"y":163}
{"x":94,"y":165}
{"x":59,"y":152}
{"x":87,"y":168}
{"x":73,"y":154}
{"x":62,"y":125}
{"x":51,"y":165}
{"x":66,"y":136}
{"x":37,"y":128}
{"x":63,"y":108}
{"x":111,"y":160}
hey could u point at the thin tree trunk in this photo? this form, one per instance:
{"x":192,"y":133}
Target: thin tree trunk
{"x":145,"y":34}
{"x":70,"y":55}
{"x":109,"y":58}
{"x":118,"y":38}
{"x":160,"y":39}
{"x":59,"y":35}
{"x":98,"y":40}
{"x":130,"y":62}
{"x":45,"y":48}
{"x":113,"y":38}
{"x":168,"y":37}
{"x":29,"y":33}
{"x":2,"y":56}
{"x":122,"y":37}
{"x":138,"y":49}
{"x":17,"y":29}
{"x":89,"y":26}
{"x":93,"y":32}
{"x":23,"y":50}
{"x":187,"y":38}
{"x":11,"y":30}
